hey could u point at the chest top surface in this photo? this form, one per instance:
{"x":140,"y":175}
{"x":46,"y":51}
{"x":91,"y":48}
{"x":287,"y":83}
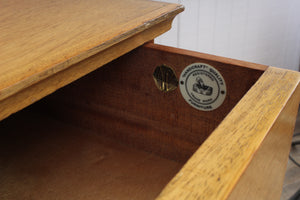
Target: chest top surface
{"x":41,"y":38}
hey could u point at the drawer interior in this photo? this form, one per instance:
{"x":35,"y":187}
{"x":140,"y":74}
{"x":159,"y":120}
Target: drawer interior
{"x":112,"y":134}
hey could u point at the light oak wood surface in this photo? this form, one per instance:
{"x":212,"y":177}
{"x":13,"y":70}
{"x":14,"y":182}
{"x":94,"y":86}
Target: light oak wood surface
{"x":263,"y":178}
{"x":47,"y":86}
{"x":225,"y":159}
{"x":229,"y":159}
{"x":45,"y":45}
{"x":39,"y":39}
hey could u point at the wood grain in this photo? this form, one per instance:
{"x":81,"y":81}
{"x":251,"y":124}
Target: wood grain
{"x":217,"y":166}
{"x":120,"y":101}
{"x":123,"y":94}
{"x":41,"y":38}
{"x":44,"y":159}
{"x":263,"y":178}
{"x":39,"y":90}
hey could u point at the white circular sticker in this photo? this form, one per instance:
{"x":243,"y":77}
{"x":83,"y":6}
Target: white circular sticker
{"x":202,"y":86}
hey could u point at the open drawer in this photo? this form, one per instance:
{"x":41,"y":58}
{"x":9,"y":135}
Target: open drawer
{"x":113,"y":135}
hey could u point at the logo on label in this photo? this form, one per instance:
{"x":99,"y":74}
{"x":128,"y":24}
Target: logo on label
{"x":202,"y":86}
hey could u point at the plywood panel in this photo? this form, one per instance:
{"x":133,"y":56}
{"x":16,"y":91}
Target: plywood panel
{"x":123,"y":95}
{"x":45,"y":159}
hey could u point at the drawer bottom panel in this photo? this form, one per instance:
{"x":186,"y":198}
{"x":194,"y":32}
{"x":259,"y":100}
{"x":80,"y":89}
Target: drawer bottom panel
{"x":42,"y":158}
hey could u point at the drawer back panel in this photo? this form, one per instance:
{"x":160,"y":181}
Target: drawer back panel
{"x":121,"y":101}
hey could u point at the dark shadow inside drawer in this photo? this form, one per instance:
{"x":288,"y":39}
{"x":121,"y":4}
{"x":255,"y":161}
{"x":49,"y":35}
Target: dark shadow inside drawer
{"x":112,"y":134}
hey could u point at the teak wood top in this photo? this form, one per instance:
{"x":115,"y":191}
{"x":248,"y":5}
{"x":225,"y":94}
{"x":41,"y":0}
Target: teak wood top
{"x":41,"y":38}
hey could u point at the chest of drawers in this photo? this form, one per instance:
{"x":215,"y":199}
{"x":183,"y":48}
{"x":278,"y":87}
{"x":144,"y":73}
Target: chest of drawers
{"x":82,"y":118}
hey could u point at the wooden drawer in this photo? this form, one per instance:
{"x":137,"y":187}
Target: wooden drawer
{"x":113,"y":135}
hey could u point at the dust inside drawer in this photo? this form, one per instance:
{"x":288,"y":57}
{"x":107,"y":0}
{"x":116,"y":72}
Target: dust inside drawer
{"x":112,"y":134}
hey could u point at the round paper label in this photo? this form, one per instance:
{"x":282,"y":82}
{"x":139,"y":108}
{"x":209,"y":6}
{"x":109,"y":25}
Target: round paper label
{"x":202,"y":86}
